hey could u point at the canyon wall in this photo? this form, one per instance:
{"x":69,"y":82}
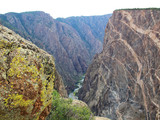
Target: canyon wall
{"x":123,"y":81}
{"x":91,"y":30}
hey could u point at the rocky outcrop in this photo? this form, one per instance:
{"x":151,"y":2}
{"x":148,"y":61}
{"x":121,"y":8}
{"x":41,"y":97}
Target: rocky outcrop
{"x":82,"y":104}
{"x":59,"y":86}
{"x":72,"y":47}
{"x":27,"y":76}
{"x":123,"y":80}
{"x":100,"y":118}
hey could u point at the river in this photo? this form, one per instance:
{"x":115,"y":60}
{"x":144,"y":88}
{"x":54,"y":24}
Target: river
{"x":72,"y":95}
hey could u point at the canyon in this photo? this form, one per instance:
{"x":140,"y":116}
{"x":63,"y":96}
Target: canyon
{"x":73,"y":44}
{"x":123,"y":81}
{"x":30,"y":86}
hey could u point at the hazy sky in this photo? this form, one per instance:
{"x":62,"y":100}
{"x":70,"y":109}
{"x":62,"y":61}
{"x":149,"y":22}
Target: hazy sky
{"x":65,"y":8}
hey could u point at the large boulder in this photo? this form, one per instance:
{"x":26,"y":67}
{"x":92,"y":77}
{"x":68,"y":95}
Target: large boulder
{"x":27,"y":76}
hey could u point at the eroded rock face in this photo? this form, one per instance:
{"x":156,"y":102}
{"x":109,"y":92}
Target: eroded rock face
{"x":123,"y":82}
{"x":27,"y":76}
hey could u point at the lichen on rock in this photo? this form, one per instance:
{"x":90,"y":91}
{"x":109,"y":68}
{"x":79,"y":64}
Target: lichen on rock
{"x":27,"y":76}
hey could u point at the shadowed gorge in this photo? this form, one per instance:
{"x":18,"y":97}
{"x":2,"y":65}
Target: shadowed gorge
{"x":73,"y":46}
{"x":123,"y":81}
{"x":91,"y":30}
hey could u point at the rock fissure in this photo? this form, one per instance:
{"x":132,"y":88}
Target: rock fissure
{"x":152,"y":17}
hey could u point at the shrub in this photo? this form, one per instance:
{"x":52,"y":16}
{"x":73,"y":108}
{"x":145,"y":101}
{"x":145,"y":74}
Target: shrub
{"x":62,"y":109}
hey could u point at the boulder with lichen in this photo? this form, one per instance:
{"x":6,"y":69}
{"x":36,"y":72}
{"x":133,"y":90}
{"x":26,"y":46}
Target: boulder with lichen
{"x":27,"y":76}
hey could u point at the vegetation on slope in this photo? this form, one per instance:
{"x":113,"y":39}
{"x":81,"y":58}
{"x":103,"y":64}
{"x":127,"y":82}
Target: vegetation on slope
{"x":64,"y":109}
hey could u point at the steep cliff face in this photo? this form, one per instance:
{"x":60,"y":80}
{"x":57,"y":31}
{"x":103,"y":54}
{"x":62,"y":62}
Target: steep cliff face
{"x":91,"y":30}
{"x":72,"y":47}
{"x":123,"y":81}
{"x":27,"y":76}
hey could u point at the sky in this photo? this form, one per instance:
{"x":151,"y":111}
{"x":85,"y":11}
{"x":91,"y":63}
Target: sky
{"x":67,"y":8}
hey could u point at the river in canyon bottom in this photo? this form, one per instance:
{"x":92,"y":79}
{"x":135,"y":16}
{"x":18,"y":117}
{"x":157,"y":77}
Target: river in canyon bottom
{"x":73,"y":95}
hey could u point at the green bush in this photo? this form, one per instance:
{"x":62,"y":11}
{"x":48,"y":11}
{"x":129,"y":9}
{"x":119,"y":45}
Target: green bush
{"x":62,"y":109}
